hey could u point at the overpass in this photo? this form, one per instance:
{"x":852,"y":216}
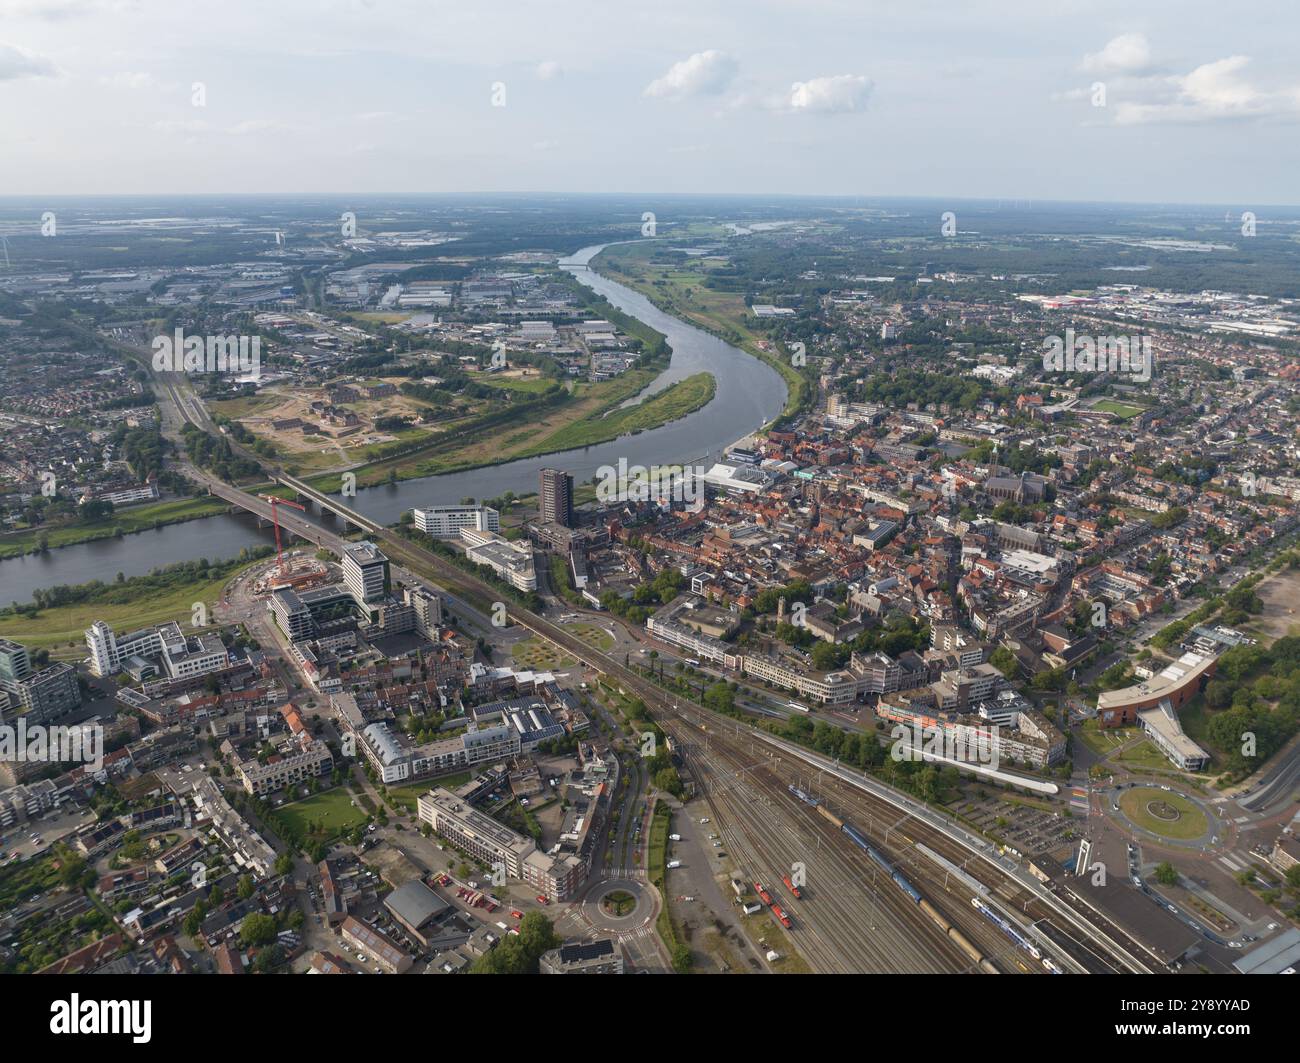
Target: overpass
{"x":345,"y":513}
{"x":599,"y":662}
{"x":288,"y":520}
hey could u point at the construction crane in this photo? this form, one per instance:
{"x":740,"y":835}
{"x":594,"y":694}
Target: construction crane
{"x":275,"y":519}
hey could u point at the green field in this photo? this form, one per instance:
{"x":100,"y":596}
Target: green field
{"x":331,"y":813}
{"x":132,"y":519}
{"x":65,"y":626}
{"x":1144,"y":755}
{"x":1190,"y":824}
{"x":1119,"y":409}
{"x":671,"y":404}
{"x":592,"y":636}
{"x":1102,"y":742}
{"x":406,"y":796}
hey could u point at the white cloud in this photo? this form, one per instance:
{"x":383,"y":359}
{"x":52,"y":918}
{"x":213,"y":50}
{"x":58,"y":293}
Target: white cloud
{"x":841,"y":94}
{"x":130,"y":79}
{"x":1128,"y":53}
{"x":170,"y":126}
{"x":17,"y":63}
{"x":549,"y":70}
{"x":1212,"y":92}
{"x":702,"y":74}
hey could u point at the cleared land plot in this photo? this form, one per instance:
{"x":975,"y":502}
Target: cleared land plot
{"x":540,"y":656}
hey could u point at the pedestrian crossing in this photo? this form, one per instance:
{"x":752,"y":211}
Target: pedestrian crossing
{"x":637,"y":873}
{"x":1231,"y":864}
{"x":1081,"y":799}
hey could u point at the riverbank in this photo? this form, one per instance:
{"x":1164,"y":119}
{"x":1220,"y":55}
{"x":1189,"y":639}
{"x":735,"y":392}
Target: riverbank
{"x":142,"y":601}
{"x":601,"y":423}
{"x":721,"y":314}
{"x":148,"y":517}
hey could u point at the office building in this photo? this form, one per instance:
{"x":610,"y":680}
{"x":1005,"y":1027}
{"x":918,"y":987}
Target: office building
{"x":428,"y":610}
{"x":365,"y":572}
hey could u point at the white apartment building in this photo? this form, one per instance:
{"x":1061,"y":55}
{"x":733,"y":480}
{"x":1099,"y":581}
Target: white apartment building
{"x":445,"y":522}
{"x":513,"y":562}
{"x":181,"y":657}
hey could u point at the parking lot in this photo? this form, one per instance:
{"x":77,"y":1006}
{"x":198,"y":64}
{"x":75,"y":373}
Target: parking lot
{"x":1025,"y":828}
{"x":28,"y":839}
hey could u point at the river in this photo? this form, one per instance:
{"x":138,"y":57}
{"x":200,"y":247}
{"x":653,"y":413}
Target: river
{"x":749,"y":394}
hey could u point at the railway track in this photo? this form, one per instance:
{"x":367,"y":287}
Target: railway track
{"x":843,"y":924}
{"x":1010,"y":892}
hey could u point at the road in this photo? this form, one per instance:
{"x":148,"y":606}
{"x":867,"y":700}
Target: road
{"x":856,"y":928}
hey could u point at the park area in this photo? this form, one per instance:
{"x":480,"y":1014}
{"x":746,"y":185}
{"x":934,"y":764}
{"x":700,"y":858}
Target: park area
{"x":324,"y":815}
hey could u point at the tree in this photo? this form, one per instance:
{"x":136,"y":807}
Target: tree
{"x":256,"y":929}
{"x":1167,"y":874}
{"x":268,"y":959}
{"x":1004,"y":661}
{"x":245,"y":888}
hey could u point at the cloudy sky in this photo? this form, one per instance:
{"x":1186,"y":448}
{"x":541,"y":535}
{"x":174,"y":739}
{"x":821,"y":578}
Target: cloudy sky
{"x":1188,"y":101}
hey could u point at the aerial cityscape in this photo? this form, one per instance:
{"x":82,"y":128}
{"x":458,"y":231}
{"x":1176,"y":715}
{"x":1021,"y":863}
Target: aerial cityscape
{"x":747,"y":577}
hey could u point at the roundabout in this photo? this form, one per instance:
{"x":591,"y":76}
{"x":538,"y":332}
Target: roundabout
{"x":1167,"y":815}
{"x":619,"y":906}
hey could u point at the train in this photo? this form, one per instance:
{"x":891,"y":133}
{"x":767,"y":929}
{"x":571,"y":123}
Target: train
{"x":806,"y":798}
{"x":860,"y":840}
{"x":958,"y":938}
{"x":762,"y":893}
{"x":779,"y":912}
{"x":1006,"y":928}
{"x":794,"y":890}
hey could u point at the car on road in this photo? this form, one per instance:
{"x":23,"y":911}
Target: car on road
{"x":542,"y":899}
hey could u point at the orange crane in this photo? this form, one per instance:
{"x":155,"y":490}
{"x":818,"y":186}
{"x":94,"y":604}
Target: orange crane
{"x":275,"y":519}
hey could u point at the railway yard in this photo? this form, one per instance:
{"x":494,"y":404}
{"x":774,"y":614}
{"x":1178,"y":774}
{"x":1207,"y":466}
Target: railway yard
{"x":855,"y":917}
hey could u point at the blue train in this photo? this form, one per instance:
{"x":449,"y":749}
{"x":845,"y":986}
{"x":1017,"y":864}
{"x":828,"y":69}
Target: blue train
{"x":857,"y":838}
{"x":1006,"y":928}
{"x":807,"y":799}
